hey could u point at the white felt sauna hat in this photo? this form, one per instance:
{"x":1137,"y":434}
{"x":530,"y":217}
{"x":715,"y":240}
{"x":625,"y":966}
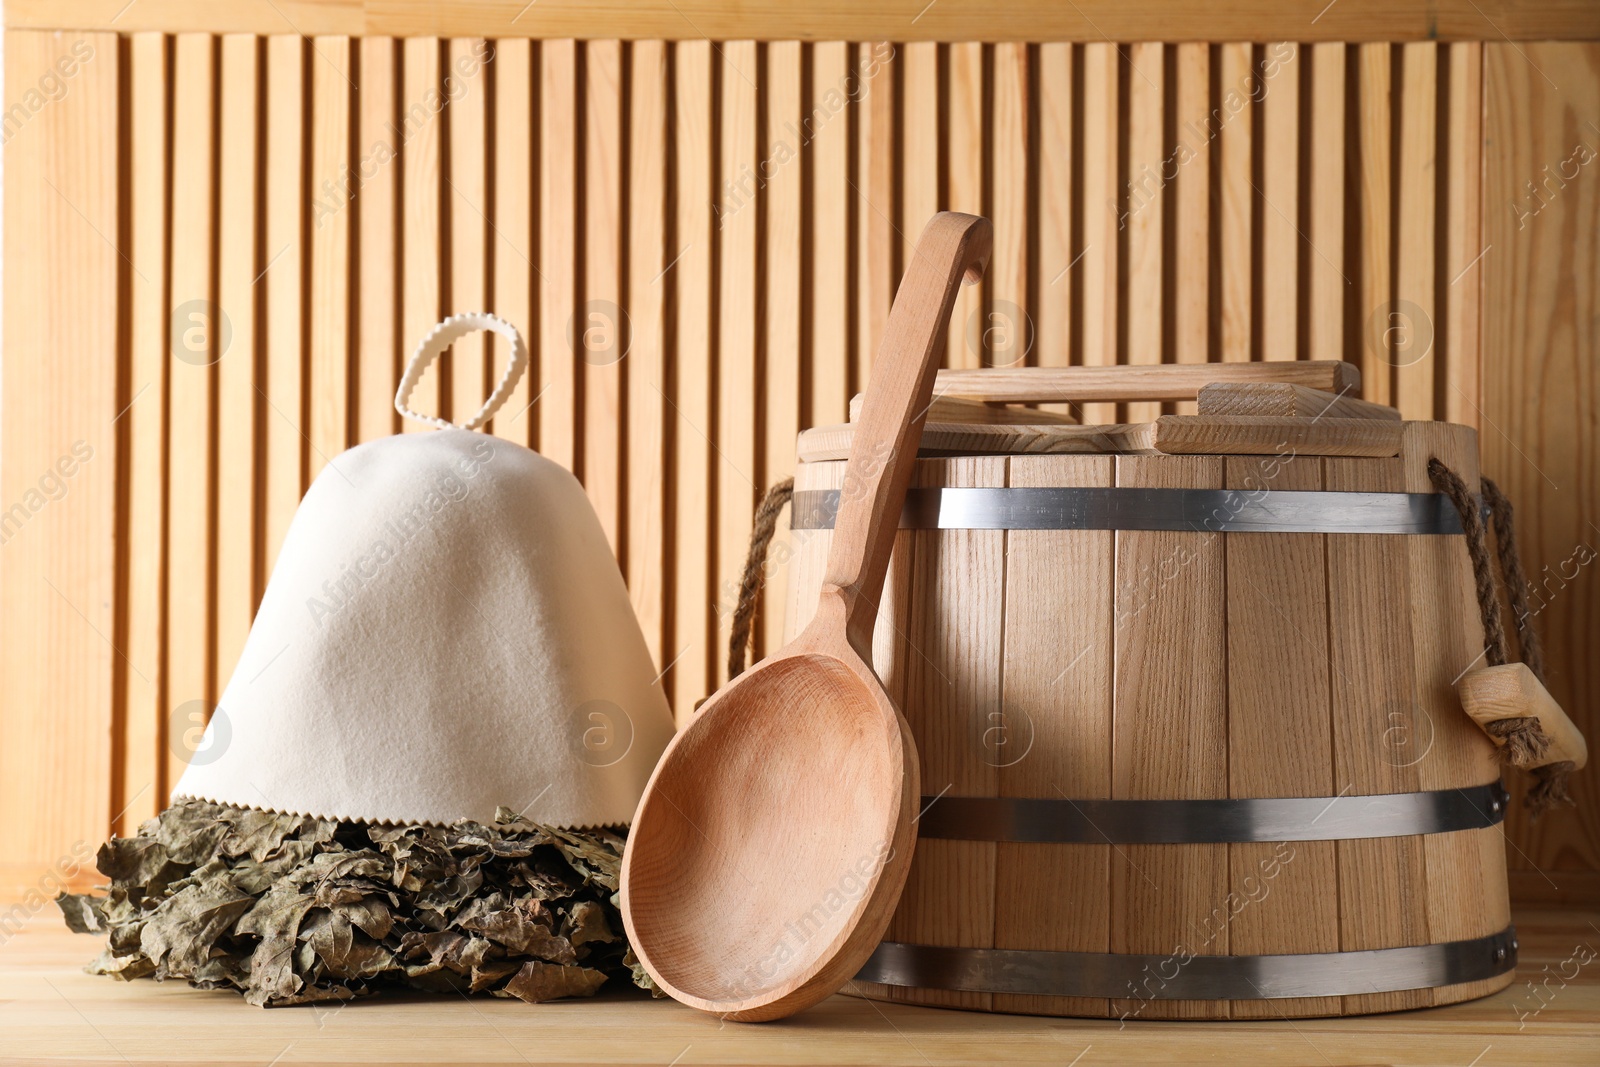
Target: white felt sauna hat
{"x":445,"y":632}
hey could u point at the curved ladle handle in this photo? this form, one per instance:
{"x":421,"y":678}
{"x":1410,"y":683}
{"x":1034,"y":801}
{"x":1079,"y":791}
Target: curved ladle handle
{"x":953,"y":247}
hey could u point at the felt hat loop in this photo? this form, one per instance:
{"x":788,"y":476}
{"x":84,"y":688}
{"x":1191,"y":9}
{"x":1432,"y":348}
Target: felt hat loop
{"x":438,"y":341}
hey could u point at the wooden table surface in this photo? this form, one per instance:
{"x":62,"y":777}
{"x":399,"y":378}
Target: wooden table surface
{"x":51,"y":1012}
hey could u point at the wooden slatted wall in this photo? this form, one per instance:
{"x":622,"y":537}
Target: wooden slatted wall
{"x":698,"y":239}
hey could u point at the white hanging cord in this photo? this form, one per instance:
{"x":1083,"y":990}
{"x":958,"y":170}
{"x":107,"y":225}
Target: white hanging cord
{"x":439,"y":340}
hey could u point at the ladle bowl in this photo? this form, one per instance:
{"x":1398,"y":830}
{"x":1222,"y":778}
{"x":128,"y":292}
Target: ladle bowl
{"x":773,"y":839}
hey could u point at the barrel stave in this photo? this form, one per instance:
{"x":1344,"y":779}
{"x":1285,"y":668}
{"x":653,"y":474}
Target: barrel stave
{"x":952,"y":672}
{"x":1056,"y":717}
{"x":1280,"y":731}
{"x":1466,"y":895}
{"x":1170,"y":730}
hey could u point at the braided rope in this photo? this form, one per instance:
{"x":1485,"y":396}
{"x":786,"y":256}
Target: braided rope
{"x":1505,"y":537}
{"x":1451,"y":485}
{"x":765,"y":525}
{"x":1523,"y":740}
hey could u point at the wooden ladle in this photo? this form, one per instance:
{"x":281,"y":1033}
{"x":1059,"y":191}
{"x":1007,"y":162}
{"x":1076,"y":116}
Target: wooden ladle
{"x":773,"y":839}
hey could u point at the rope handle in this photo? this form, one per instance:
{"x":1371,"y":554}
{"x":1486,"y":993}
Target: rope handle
{"x":762,"y":529}
{"x":1497,"y":650}
{"x":438,"y":341}
{"x":1522,"y":740}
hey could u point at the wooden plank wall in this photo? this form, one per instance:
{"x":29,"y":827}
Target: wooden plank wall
{"x":1541,"y":398}
{"x":222,"y":247}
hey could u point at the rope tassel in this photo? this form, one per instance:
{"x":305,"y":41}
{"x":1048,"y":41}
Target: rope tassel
{"x":1522,"y":742}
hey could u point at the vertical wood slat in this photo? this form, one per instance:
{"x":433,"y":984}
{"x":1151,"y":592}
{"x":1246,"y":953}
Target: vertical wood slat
{"x":282,"y":271}
{"x":1415,"y":322}
{"x":466,"y":240}
{"x":603,"y":333}
{"x":1326,"y":188}
{"x":144,"y":512}
{"x":559,"y":152}
{"x":648,"y":258}
{"x":378,"y":240}
{"x":737,"y":366}
{"x":328,"y":383}
{"x":1463,"y":294}
{"x":511,"y":239}
{"x":58,"y":582}
{"x":826,"y":123}
{"x":1099,"y":212}
{"x":422,"y":224}
{"x":1197,"y":130}
{"x":876,"y":194}
{"x":196,"y":341}
{"x":1143,"y":216}
{"x":919,"y":147}
{"x":1169,"y":722}
{"x":690,"y":397}
{"x":238,"y":367}
{"x":785,"y":286}
{"x":1281,"y":184}
{"x":1056,"y":241}
{"x":1235,"y":200}
{"x":1373,"y":347}
{"x":1007,"y":335}
{"x":965,"y":124}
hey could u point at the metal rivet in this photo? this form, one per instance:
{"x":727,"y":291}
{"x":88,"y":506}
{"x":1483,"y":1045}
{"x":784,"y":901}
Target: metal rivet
{"x":1500,"y":954}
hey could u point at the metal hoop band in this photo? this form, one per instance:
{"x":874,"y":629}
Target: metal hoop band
{"x":1181,"y":976}
{"x":1199,"y":510}
{"x":1156,"y":822}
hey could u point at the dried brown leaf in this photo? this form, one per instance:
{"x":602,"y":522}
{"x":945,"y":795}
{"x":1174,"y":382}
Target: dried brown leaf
{"x":537,"y":982}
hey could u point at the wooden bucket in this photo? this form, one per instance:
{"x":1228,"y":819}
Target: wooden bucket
{"x":1190,"y":746}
